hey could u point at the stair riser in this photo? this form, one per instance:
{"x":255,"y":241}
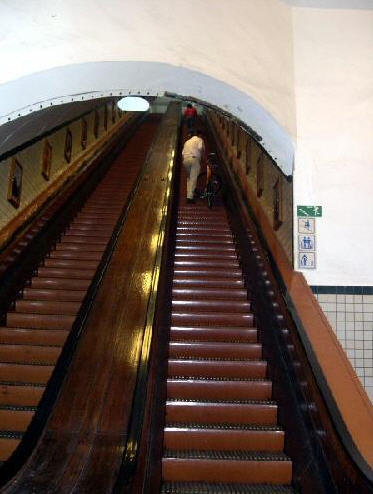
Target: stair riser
{"x":215,"y":350}
{"x":186,"y":263}
{"x":15,"y":420}
{"x":55,"y":295}
{"x":20,"y":395}
{"x":245,"y":335}
{"x":29,"y":354}
{"x":209,"y":293}
{"x":36,"y":374}
{"x":184,"y":254}
{"x":200,"y":282}
{"x":71,"y":263}
{"x":65,"y":273}
{"x":223,"y":440}
{"x":47,"y":307}
{"x":39,"y":321}
{"x":213,"y":319}
{"x":194,"y":368}
{"x":220,"y":390}
{"x":229,"y":306}
{"x":59,"y":283}
{"x":221,"y":413}
{"x":251,"y":472}
{"x":7,"y":446}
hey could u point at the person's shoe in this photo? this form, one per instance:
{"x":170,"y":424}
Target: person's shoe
{"x":190,"y":201}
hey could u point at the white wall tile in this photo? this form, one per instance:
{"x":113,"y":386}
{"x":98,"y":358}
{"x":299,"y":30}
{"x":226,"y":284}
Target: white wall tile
{"x":327,"y":297}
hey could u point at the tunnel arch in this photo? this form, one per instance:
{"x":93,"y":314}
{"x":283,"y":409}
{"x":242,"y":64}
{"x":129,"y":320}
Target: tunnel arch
{"x":86,"y":81}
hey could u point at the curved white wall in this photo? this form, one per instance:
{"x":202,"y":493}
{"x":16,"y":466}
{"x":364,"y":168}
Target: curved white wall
{"x":296,"y":75}
{"x":237,"y":55}
{"x":333,"y":53}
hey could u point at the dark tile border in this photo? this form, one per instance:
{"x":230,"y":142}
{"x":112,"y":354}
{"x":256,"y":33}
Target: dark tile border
{"x":342,"y":290}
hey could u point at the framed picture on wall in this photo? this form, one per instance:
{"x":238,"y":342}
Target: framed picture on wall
{"x":105,"y":116}
{"x":248,"y":155}
{"x":113,"y":112}
{"x":46,"y":162}
{"x":277,"y":204}
{"x":96,"y":123}
{"x":15,"y":183}
{"x":84,"y":133}
{"x":68,"y":145}
{"x":260,"y":175}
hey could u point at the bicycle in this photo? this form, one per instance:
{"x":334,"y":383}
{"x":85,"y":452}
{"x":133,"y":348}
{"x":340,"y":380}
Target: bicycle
{"x":209,"y":182}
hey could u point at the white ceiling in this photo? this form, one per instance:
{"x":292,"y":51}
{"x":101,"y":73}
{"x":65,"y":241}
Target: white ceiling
{"x":332,"y":4}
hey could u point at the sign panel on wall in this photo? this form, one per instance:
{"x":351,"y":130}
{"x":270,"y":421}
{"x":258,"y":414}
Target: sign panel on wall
{"x":307,"y":235}
{"x":313,"y":211}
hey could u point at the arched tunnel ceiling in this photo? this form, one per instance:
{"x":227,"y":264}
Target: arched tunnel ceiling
{"x":88,"y":81}
{"x":23,"y":129}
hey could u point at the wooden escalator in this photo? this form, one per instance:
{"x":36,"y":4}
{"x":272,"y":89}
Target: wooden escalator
{"x":221,"y":433}
{"x":40,"y":321}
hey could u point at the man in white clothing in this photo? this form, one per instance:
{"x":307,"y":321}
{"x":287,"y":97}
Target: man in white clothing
{"x":193,"y":153}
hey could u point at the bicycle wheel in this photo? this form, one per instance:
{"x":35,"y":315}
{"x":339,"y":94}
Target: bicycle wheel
{"x":215,"y":181}
{"x":210,"y":194}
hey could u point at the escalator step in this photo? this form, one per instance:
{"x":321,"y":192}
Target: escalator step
{"x":185,"y":318}
{"x":204,"y":247}
{"x":222,"y":488}
{"x":227,"y":466}
{"x":209,"y":293}
{"x":51,"y":262}
{"x":205,"y":254}
{"x":211,"y":305}
{"x":47,"y":307}
{"x":244,"y":369}
{"x":186,"y":262}
{"x":214,"y":333}
{"x":75,"y":254}
{"x":7,"y":446}
{"x":51,"y":294}
{"x":20,"y":394}
{"x":223,"y":437}
{"x":60,"y":283}
{"x":218,"y":389}
{"x":214,"y":350}
{"x":81,"y":274}
{"x":29,"y":354}
{"x":15,"y":420}
{"x":215,"y":273}
{"x":36,"y":374}
{"x":39,"y":321}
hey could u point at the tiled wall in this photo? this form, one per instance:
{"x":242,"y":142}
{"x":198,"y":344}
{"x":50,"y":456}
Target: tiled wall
{"x":350,"y":313}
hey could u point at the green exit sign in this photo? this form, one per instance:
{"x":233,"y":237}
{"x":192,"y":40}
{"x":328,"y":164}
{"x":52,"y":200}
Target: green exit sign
{"x":314,"y":211}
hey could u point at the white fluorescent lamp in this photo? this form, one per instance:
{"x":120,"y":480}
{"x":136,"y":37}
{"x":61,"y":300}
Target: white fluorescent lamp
{"x":133,"y":103}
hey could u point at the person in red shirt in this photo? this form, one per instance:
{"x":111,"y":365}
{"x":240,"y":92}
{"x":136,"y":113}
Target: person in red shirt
{"x":190,"y":115}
